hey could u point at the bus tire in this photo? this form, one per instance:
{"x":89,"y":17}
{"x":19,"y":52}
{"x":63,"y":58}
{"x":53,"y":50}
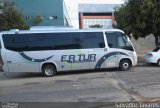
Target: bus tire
{"x":49,"y":70}
{"x":125,"y":65}
{"x":158,"y":62}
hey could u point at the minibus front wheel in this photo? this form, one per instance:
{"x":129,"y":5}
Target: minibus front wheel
{"x":49,"y":70}
{"x":125,"y":65}
{"x":158,"y":62}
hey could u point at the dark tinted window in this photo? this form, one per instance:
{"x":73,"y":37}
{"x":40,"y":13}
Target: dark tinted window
{"x":52,"y":41}
{"x":44,"y":41}
{"x":156,"y":49}
{"x":123,"y":43}
{"x":66,"y":41}
{"x":118,"y":40}
{"x":15,"y":42}
{"x":112,"y":40}
{"x":92,"y":40}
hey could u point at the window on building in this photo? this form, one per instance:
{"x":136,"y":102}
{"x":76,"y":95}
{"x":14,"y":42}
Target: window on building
{"x":104,"y":22}
{"x":28,"y":17}
{"x":53,"y":17}
{"x":42,"y":17}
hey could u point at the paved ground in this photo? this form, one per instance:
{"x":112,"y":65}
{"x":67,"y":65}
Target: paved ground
{"x":141,"y":83}
{"x":86,"y":87}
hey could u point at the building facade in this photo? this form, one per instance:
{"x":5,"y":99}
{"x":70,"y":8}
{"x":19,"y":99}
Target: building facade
{"x":76,"y":13}
{"x":86,"y":13}
{"x":52,"y":12}
{"x":96,"y":14}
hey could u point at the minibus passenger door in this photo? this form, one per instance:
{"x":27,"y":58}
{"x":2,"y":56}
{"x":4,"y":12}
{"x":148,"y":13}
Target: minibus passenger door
{"x":96,"y":58}
{"x":111,"y":59}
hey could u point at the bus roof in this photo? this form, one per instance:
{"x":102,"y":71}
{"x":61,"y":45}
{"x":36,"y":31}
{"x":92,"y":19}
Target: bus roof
{"x":52,"y":29}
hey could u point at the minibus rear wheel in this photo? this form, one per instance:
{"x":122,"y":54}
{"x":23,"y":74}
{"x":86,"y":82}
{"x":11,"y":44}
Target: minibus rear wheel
{"x":49,"y":70}
{"x":158,"y":63}
{"x":125,"y":65}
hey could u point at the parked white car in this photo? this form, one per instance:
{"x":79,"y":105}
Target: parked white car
{"x":153,"y":56}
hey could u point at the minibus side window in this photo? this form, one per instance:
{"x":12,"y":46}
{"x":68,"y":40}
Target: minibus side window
{"x":111,"y":40}
{"x":118,"y":40}
{"x":123,"y":43}
{"x":41,"y":41}
{"x":53,"y":41}
{"x":92,"y":40}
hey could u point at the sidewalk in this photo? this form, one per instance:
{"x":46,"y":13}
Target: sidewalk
{"x":142,"y":82}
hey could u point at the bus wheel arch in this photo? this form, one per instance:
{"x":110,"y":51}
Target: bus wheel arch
{"x":125,"y":64}
{"x":158,"y":62}
{"x":49,"y":69}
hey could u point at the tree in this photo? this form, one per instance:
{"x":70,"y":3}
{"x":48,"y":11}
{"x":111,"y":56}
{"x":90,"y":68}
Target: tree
{"x":140,"y":18}
{"x":10,"y":17}
{"x":37,"y":20}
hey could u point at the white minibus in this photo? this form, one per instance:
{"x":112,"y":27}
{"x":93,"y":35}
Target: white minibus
{"x":51,"y":51}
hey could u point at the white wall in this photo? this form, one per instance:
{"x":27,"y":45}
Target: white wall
{"x":72,"y":8}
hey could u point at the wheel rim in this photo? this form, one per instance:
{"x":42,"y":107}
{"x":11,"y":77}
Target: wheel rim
{"x":48,"y":71}
{"x":125,"y":65}
{"x":159,"y":63}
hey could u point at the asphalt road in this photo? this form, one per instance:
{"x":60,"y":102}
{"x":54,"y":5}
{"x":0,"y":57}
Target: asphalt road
{"x":75,"y":87}
{"x":141,"y":83}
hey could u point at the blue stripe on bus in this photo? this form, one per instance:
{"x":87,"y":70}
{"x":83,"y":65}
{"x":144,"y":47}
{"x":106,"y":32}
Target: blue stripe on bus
{"x":32,"y":59}
{"x":105,"y":57}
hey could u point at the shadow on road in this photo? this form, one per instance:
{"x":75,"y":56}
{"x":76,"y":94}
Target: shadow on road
{"x":39,"y":75}
{"x":147,"y":65}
